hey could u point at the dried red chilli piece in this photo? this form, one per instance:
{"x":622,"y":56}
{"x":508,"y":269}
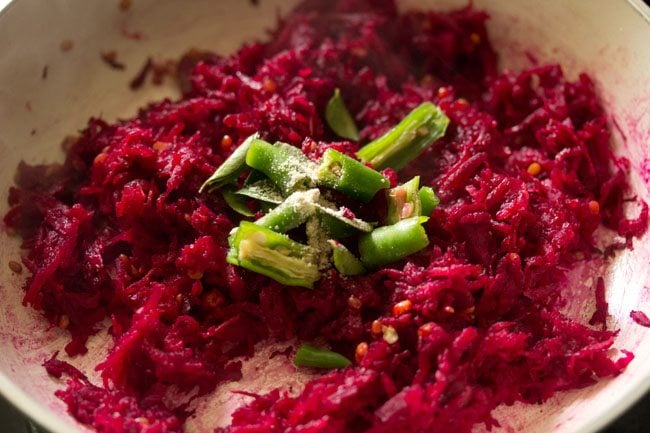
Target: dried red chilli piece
{"x":640,"y":317}
{"x":600,"y":315}
{"x":139,"y":79}
{"x":110,"y":58}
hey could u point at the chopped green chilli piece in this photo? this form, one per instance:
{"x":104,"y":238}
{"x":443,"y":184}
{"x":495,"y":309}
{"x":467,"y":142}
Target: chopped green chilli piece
{"x":236,"y":202}
{"x":266,"y":252}
{"x":407,"y":140}
{"x":428,"y":200}
{"x":337,"y":216}
{"x":334,"y":228}
{"x":231,"y":168}
{"x":342,"y":173}
{"x":293,"y":151}
{"x":267,"y":207}
{"x":344,"y":261}
{"x":310,"y":356}
{"x":285,"y":185}
{"x":389,"y":244}
{"x":253,"y":177}
{"x":283,"y":164}
{"x":292,"y":212}
{"x":231,"y":256}
{"x":403,"y":201}
{"x":262,"y":190}
{"x":339,"y":118}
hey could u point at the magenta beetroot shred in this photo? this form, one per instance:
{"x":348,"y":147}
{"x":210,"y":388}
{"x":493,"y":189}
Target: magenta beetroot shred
{"x":432,"y":340}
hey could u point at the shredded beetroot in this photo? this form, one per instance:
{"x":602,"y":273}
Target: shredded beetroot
{"x":525,"y":175}
{"x":641,"y":318}
{"x":110,"y":411}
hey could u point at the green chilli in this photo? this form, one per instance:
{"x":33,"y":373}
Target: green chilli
{"x":342,"y":173}
{"x":231,"y":168}
{"x":284,"y":165}
{"x":344,"y":261}
{"x":339,"y":118}
{"x":292,"y":212}
{"x":310,"y":356}
{"x":428,"y":200}
{"x":403,"y":201}
{"x":407,"y":140}
{"x":262,"y":190}
{"x":333,"y":217}
{"x":266,"y":252}
{"x":236,"y":202}
{"x":389,"y":244}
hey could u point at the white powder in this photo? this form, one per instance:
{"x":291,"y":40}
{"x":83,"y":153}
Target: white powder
{"x":303,"y":171}
{"x":303,"y":201}
{"x":339,"y":214}
{"x":318,"y":240}
{"x":263,"y":190}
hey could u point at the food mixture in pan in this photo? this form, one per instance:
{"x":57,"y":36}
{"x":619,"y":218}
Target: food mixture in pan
{"x":365,"y":184}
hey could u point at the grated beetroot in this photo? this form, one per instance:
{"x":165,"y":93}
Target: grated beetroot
{"x":119,"y":231}
{"x":111,"y":411}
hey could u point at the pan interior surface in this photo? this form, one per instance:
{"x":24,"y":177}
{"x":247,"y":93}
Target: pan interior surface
{"x":604,"y":38}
